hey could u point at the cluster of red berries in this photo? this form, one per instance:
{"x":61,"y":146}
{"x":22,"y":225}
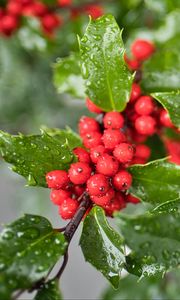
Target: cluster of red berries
{"x":113,"y":141}
{"x":50,"y":17}
{"x":144,"y":115}
{"x":100,"y":171}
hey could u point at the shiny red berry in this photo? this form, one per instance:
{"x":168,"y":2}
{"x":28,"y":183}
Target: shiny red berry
{"x":144,"y":105}
{"x":143,"y":151}
{"x":116,"y":204}
{"x":113,"y":137}
{"x":57,"y":179}
{"x":82,"y":155}
{"x":133,"y":64}
{"x":142,"y":49}
{"x":113,"y":120}
{"x":79,"y":172}
{"x":92,"y":139}
{"x":131,"y":199}
{"x":50,"y":21}
{"x":165,"y":119}
{"x":78,"y":190}
{"x":107,"y":165}
{"x":124,"y":152}
{"x":98,"y":185}
{"x":64,"y":3}
{"x":14,"y":8}
{"x":96,"y":152}
{"x":145,"y":125}
{"x":104,"y":200}
{"x":87,"y":124}
{"x":9,"y":23}
{"x":68,"y":208}
{"x":39,"y":9}
{"x":135,"y":92}
{"x":92,"y":107}
{"x":122,"y":180}
{"x":93,"y":10}
{"x":58,"y":196}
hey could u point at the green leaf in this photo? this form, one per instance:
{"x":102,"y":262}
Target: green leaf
{"x":67,"y":76}
{"x":49,"y":291}
{"x":171,"y":102}
{"x":102,"y":246}
{"x":29,"y":248}
{"x":35,"y":155}
{"x":156,"y":182}
{"x":154,"y":241}
{"x":108,"y":81}
{"x":168,"y":207}
{"x":150,"y":288}
{"x":161,"y":73}
{"x":65,"y":135}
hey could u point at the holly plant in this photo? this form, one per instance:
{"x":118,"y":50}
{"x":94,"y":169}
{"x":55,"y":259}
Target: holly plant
{"x":126,"y":156}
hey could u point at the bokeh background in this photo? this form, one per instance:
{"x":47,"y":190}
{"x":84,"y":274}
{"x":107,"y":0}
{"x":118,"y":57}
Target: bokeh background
{"x":28,"y":100}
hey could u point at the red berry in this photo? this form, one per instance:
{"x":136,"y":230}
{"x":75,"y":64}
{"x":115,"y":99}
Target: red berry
{"x":78,"y":190}
{"x":96,"y":152}
{"x":135,"y":92}
{"x":113,"y":120}
{"x":97,"y":185}
{"x":130,"y":198}
{"x":39,"y":9}
{"x":51,"y":21}
{"x":116,"y":204}
{"x":9,"y":24}
{"x":113,"y":137}
{"x":82,"y":155}
{"x":92,"y":139}
{"x":68,"y":208}
{"x":144,"y":105}
{"x":103,"y":200}
{"x":173,"y":149}
{"x":138,"y":161}
{"x":57,"y":179}
{"x":142,"y":49}
{"x":79,"y":172}
{"x":14,"y":8}
{"x":122,"y":180}
{"x":95,"y":11}
{"x":64,"y":3}
{"x":143,"y":151}
{"x":87,"y":124}
{"x":145,"y":125}
{"x":132,"y":64}
{"x":107,"y":165}
{"x":92,"y":107}
{"x":165,"y":119}
{"x":124,"y":152}
{"x":58,"y":196}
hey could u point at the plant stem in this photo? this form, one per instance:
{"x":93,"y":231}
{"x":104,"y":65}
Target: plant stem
{"x":75,"y":221}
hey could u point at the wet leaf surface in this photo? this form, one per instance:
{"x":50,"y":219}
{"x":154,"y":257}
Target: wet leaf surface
{"x":102,"y":245}
{"x":29,"y":248}
{"x":107,"y":79}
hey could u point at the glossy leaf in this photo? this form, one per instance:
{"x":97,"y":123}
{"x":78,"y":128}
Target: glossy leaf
{"x":29,"y":248}
{"x":150,"y":288}
{"x":49,"y":291}
{"x":171,"y":102}
{"x":156,"y":182}
{"x":108,"y":81}
{"x":154,"y":241}
{"x":34,"y":155}
{"x":168,"y":207}
{"x":161,"y":73}
{"x":65,"y":135}
{"x":67,"y":76}
{"x":102,"y":245}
